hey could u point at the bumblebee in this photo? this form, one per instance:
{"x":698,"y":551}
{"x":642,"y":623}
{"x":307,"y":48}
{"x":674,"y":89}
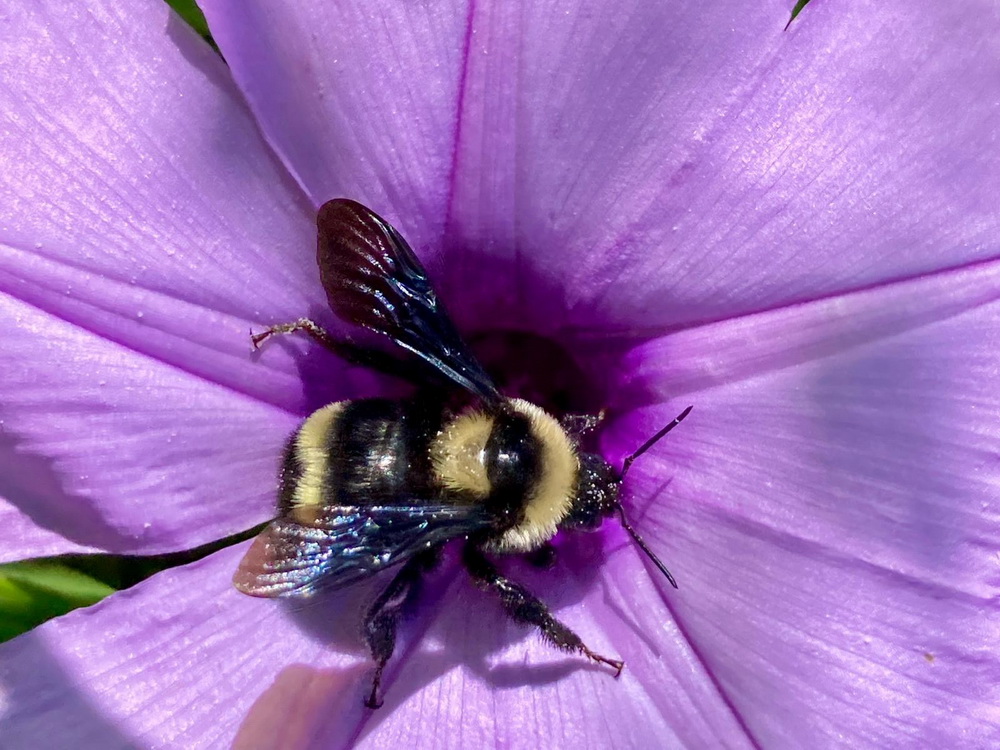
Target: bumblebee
{"x":371,"y":484}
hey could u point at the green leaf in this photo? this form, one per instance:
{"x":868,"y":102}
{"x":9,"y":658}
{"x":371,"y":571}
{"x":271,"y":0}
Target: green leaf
{"x":796,"y":10}
{"x":37,"y":590}
{"x":192,"y":15}
{"x":33,"y":592}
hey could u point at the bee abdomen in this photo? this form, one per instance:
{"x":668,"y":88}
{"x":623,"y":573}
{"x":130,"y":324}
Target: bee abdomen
{"x":363,"y":452}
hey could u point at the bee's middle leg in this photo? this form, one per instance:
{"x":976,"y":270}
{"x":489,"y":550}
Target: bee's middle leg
{"x":383,"y":616}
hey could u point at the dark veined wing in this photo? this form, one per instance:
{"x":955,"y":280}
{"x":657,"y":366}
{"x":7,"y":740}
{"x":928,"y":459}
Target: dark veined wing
{"x":343,"y":544}
{"x":373,"y":279}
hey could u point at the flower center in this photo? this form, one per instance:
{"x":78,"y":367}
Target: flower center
{"x":537,"y":369}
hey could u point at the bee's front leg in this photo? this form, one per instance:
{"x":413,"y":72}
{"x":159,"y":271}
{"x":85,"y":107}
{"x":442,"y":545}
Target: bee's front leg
{"x":543,"y":557}
{"x":524,"y":607}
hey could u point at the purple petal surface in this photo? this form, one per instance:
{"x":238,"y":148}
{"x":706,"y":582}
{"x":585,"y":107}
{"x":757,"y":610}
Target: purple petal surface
{"x":360,"y":99}
{"x":115,"y":450}
{"x":140,"y":203}
{"x":641,"y":164}
{"x":23,"y":537}
{"x":183,"y":660}
{"x":144,"y":228}
{"x":830,"y":510}
{"x":177,"y":661}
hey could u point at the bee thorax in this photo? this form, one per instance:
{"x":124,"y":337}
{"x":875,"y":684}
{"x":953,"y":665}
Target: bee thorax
{"x":520,"y":463}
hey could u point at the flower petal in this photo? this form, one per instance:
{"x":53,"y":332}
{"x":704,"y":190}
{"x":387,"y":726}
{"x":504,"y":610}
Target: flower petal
{"x":114,"y":450}
{"x":144,"y":227}
{"x":21,"y":537}
{"x":830,"y":510}
{"x":360,"y":99}
{"x":640,"y":164}
{"x":139,"y":200}
{"x":177,"y":661}
{"x":644,"y":165}
{"x":184,"y":660}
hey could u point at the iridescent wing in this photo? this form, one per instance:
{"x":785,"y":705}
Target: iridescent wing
{"x":341,"y":545}
{"x":373,"y":279}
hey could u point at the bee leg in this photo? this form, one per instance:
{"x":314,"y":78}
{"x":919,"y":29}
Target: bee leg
{"x":383,"y":616}
{"x":578,"y":425}
{"x":302,"y":324}
{"x":543,"y":557}
{"x":347,"y":350}
{"x":524,"y":607}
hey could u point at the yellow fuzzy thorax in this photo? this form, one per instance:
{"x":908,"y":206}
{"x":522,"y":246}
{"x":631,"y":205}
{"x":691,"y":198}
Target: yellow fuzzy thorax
{"x":458,"y":455}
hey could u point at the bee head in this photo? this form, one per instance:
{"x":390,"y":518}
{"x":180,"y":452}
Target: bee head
{"x":598,"y":494}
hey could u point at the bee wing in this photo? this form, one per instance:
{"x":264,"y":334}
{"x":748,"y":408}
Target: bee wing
{"x":373,"y":279}
{"x":342,"y":545}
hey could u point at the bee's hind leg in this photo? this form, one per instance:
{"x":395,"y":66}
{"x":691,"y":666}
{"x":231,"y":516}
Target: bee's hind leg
{"x":384,"y":614}
{"x":524,"y":607}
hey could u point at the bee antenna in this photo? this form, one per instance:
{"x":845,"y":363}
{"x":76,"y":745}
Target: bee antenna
{"x":645,"y":548}
{"x":621,"y":510}
{"x":652,"y":441}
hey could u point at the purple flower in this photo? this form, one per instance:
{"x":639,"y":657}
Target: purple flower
{"x":795,"y":232}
